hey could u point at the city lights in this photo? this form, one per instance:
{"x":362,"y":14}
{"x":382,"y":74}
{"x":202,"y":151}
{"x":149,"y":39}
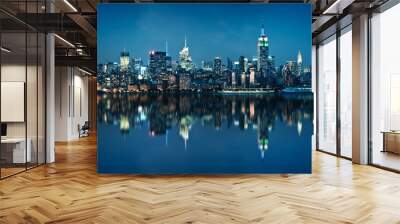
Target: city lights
{"x":167,"y":73}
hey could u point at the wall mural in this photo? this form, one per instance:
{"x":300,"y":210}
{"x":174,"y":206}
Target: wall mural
{"x":204,"y":88}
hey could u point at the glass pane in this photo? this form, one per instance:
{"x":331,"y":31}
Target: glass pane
{"x":31,"y":98}
{"x":31,"y":88}
{"x":327,"y":96}
{"x":346,"y":93}
{"x":41,"y":98}
{"x":385,"y":83}
{"x":13,"y":87}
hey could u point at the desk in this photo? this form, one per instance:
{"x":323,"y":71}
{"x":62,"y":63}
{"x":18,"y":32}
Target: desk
{"x":16,"y":147}
{"x":391,"y":141}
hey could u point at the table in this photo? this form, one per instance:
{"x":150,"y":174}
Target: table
{"x":16,"y":147}
{"x":391,"y":141}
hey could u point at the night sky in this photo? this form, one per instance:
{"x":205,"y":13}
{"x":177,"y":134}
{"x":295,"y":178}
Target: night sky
{"x":224,"y":30}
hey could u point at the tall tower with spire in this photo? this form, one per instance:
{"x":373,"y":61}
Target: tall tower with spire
{"x":299,"y":64}
{"x":184,"y":57}
{"x":168,"y":59}
{"x":262,"y":53}
{"x":166,"y":47}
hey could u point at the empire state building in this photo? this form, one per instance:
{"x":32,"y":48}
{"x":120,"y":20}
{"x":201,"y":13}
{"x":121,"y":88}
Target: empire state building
{"x":262,"y":52}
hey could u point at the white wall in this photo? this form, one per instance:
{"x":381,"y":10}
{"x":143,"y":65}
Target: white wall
{"x":16,"y":73}
{"x":71,"y":102}
{"x":62,"y":82}
{"x":12,"y":73}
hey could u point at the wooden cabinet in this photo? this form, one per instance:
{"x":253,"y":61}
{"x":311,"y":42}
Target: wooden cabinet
{"x":391,"y":141}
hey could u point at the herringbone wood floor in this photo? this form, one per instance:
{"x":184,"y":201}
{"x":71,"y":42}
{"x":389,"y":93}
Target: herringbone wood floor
{"x":70,"y":191}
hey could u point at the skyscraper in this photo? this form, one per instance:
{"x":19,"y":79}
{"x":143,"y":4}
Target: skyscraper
{"x":246,"y":65}
{"x":217,"y":66}
{"x":254,"y":61}
{"x":137,"y":64}
{"x":299,"y":64}
{"x":168,"y":59}
{"x":124,"y":61}
{"x":262,"y":52}
{"x":207,"y":65}
{"x":229,"y":64}
{"x":241,"y":64}
{"x":157,"y":63}
{"x":252,"y":77}
{"x":233,"y":78}
{"x":185,"y":59}
{"x":243,"y":80}
{"x":271,"y":62}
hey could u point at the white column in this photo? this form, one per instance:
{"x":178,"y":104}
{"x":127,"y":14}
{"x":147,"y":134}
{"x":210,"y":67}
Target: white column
{"x":360,"y":90}
{"x":50,"y":98}
{"x":63,"y":102}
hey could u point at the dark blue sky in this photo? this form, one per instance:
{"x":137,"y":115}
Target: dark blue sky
{"x":225,"y":30}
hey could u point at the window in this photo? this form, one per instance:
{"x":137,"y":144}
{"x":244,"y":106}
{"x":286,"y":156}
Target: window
{"x":327,"y":95}
{"x":385,"y":89}
{"x":346,"y":92}
{"x":22,"y":77}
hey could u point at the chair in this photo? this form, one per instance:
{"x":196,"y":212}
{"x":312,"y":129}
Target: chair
{"x":84,"y":130}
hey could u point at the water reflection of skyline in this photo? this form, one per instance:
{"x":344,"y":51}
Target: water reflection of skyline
{"x":161,"y":113}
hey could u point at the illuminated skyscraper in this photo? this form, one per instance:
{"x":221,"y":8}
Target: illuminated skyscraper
{"x":252,"y":77}
{"x":290,"y":73}
{"x":243,"y":80}
{"x":299,"y":64}
{"x":124,"y":61}
{"x":233,"y":79}
{"x":185,"y":59}
{"x":137,"y":64}
{"x":271,"y":62}
{"x":262,"y":52}
{"x":157,"y":63}
{"x":246,"y":65}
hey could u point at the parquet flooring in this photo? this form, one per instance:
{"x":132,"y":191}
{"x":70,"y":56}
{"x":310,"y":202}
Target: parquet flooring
{"x":70,"y":191}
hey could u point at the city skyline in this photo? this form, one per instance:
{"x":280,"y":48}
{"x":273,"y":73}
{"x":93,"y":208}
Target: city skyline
{"x":231,"y":38}
{"x":179,"y":78}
